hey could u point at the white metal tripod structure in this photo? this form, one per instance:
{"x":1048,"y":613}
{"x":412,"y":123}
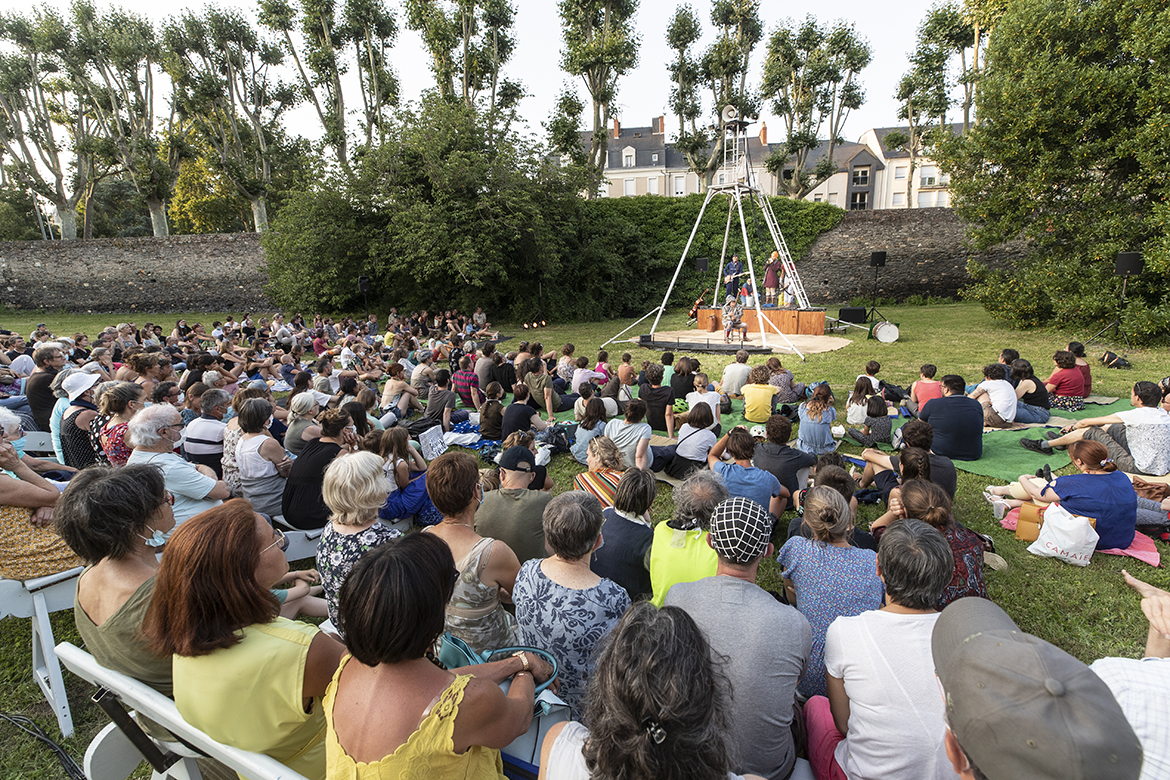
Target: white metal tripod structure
{"x":737,"y":174}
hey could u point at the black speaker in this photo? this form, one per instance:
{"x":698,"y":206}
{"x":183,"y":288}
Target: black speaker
{"x":645,"y":339}
{"x":854,"y":314}
{"x":701,"y":264}
{"x":877,"y":259}
{"x":1128,"y":264}
{"x":363,"y":284}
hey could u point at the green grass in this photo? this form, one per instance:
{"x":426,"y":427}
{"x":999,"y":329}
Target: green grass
{"x":1089,"y":612}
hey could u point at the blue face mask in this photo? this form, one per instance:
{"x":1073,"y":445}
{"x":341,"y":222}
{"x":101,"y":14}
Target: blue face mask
{"x":18,"y":445}
{"x":158,"y":538}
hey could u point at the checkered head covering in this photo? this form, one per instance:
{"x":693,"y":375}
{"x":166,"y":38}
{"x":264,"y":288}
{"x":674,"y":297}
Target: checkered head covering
{"x":740,"y":530}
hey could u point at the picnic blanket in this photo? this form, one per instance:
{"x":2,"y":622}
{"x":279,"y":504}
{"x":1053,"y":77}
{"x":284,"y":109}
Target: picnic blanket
{"x":1143,"y":547}
{"x":1101,"y":399}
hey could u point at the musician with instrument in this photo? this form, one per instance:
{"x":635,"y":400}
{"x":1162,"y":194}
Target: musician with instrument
{"x":731,"y":273}
{"x":732,"y":318}
{"x":773,"y":273}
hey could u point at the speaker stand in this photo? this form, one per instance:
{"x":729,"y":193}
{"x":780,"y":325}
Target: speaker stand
{"x":873,"y":315}
{"x":1116,"y":323}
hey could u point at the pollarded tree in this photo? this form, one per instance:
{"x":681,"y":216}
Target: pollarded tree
{"x":923,"y":103}
{"x":811,"y":77}
{"x":600,"y":47}
{"x":947,"y":28}
{"x":722,"y":69}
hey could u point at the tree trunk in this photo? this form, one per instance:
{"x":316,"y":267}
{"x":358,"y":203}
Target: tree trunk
{"x":87,"y":232}
{"x":67,"y":213}
{"x":260,"y":213}
{"x":158,"y":217}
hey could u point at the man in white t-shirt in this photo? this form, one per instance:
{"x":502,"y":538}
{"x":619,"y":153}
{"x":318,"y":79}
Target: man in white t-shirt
{"x":632,"y":435}
{"x":735,"y":376}
{"x":1138,"y":439}
{"x":883,"y":717}
{"x":997,"y":396}
{"x":704,"y":396}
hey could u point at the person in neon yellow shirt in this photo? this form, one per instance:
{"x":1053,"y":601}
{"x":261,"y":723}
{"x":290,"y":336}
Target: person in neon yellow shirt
{"x":679,"y":551}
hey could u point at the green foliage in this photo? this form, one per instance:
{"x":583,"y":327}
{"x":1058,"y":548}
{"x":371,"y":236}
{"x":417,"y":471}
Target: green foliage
{"x":205,"y":202}
{"x":18,"y":221}
{"x":1071,"y":154}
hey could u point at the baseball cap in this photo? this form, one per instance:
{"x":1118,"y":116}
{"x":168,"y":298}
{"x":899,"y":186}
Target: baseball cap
{"x":1022,"y":707}
{"x":77,"y":383}
{"x":518,"y":458}
{"x":740,"y":530}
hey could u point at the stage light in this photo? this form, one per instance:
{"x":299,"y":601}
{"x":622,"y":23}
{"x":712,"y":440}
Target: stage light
{"x":526,"y":326}
{"x":543,"y":324}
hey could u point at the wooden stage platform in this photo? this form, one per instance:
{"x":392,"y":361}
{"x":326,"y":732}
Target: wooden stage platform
{"x":808,"y":322}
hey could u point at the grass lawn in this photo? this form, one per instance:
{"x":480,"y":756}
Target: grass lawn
{"x":1089,"y":612}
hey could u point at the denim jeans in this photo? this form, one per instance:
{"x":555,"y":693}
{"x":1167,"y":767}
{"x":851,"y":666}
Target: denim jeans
{"x":1026,"y":413}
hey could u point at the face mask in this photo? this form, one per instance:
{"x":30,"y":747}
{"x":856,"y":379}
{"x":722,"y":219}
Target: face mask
{"x":182,"y":397}
{"x":157,"y":539}
{"x":18,"y":445}
{"x":270,"y":420}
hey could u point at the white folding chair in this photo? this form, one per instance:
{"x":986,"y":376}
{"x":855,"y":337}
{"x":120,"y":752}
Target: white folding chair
{"x":39,"y":444}
{"x":301,"y":544}
{"x":118,"y":748}
{"x":37,"y":599}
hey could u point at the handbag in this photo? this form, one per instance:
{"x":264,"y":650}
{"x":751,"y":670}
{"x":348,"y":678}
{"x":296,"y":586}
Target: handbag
{"x":454,"y":653}
{"x":680,"y":468}
{"x":1155,"y":491}
{"x":1068,"y":537}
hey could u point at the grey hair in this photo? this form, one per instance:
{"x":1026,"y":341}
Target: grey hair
{"x":301,"y":405}
{"x":827,"y":514}
{"x":656,"y":675}
{"x":635,"y":491}
{"x":145,"y":426}
{"x":213,"y":398}
{"x":695,"y":499}
{"x":59,"y":379}
{"x":9,"y":420}
{"x":572,"y":522}
{"x":208,"y":377}
{"x":916,"y":563}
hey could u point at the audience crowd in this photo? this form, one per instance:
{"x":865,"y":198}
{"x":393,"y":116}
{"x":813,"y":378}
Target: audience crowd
{"x":183,"y":460}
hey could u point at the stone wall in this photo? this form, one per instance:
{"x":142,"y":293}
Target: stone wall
{"x":180,"y":273}
{"x":927,"y":253}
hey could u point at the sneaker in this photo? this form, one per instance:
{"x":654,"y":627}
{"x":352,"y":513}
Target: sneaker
{"x":1050,"y":435}
{"x":1035,"y":445}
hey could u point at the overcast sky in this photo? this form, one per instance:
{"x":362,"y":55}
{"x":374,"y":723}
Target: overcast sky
{"x":642,"y":94}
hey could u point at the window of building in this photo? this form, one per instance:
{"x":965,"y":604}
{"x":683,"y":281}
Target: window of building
{"x":944,"y":179}
{"x":899,"y":199}
{"x":629,"y":188}
{"x":654,"y":158}
{"x":628,"y":160}
{"x":859,"y":201}
{"x":680,"y":185}
{"x":722,"y":178}
{"x":943,"y":200}
{"x":925,"y":200}
{"x":900,"y":172}
{"x":861,"y":176}
{"x":652,"y":185}
{"x":929,"y":176}
{"x":817,"y":198}
{"x":833,"y":198}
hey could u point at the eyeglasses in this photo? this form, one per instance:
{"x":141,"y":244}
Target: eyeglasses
{"x":281,"y":540}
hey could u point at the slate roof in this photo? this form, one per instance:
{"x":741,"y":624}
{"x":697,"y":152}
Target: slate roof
{"x":882,"y":132}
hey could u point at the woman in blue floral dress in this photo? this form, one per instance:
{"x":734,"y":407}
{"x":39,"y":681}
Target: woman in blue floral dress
{"x":561,"y":606}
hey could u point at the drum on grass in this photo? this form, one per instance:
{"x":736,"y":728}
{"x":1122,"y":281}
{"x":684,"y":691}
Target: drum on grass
{"x":885,"y":332}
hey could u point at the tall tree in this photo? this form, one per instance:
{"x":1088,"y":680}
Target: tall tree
{"x":811,"y":77}
{"x":722,"y":69}
{"x":922,"y":103}
{"x":123,"y":52}
{"x":225,"y":83}
{"x":948,"y":28}
{"x":600,"y":47}
{"x":45,"y":133}
{"x":982,"y":15}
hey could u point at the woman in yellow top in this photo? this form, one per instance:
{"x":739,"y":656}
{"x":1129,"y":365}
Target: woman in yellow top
{"x":758,"y":394}
{"x":391,"y":711}
{"x":244,"y":675}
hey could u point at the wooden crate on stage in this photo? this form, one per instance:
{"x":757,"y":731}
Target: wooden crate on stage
{"x":806,"y":322}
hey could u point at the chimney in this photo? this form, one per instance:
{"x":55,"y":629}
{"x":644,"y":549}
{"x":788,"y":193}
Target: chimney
{"x":764,"y":133}
{"x":617,"y":128}
{"x":658,"y":124}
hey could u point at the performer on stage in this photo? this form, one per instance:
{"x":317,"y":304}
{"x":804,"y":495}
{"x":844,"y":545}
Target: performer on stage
{"x":731,"y":274}
{"x":772,"y":273}
{"x":732,"y":318}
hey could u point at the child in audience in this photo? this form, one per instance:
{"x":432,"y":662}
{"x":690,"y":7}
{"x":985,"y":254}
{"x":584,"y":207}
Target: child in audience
{"x":817,"y":416}
{"x":758,"y":396}
{"x":858,"y":401}
{"x":925,"y":389}
{"x":603,"y":366}
{"x":878,"y":425}
{"x":870,"y":375}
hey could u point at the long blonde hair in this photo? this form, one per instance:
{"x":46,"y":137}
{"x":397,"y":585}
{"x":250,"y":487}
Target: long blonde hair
{"x":822,"y":399}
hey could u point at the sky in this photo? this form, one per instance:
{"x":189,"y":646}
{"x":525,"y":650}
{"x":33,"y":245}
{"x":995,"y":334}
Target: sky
{"x":643,"y":93}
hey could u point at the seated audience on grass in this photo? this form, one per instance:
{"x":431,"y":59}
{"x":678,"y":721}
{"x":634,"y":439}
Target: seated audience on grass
{"x":486,"y":567}
{"x":302,"y":427}
{"x":871,"y":370}
{"x":659,"y":400}
{"x":264,"y":465}
{"x":491,"y":414}
{"x":926,"y":501}
{"x":390,"y":711}
{"x":703,"y":395}
{"x":543,"y":394}
{"x":695,"y":440}
{"x":632,"y":436}
{"x":925,"y":389}
{"x":354,"y":489}
{"x":203,"y":436}
{"x":781,"y":378}
{"x":912,"y":463}
{"x":562,"y":607}
{"x":13,"y":429}
{"x":1078,"y":351}
{"x":405,"y":470}
{"x":679,"y":551}
{"x":514,"y":513}
{"x":741,"y":477}
{"x":1031,"y":395}
{"x":831,"y":475}
{"x":49,"y":358}
{"x":919,"y":434}
{"x":735,"y":375}
{"x":423,"y":376}
{"x":29,"y":547}
{"x":303,"y":501}
{"x":118,"y":405}
{"x":605,"y":468}
{"x":878,"y":426}
{"x":826,"y":577}
{"x":682,"y":381}
{"x":858,"y":401}
{"x":1054,"y":718}
{"x":193,"y":397}
{"x":997,"y":397}
{"x":249,"y":678}
{"x":759,"y":396}
{"x":817,"y":416}
{"x":592,"y":425}
{"x":629,"y":529}
{"x":883,"y":717}
{"x":519,"y":415}
{"x":766,"y":642}
{"x":154,"y":433}
{"x":1137,"y":440}
{"x":541,"y":480}
{"x":231,"y":440}
{"x":76,"y":442}
{"x":1101,"y":491}
{"x":1066,"y":386}
{"x":583,"y":375}
{"x":466,"y":384}
{"x":617,"y":392}
{"x":776,"y":457}
{"x":399,"y":397}
{"x":956,"y":420}
{"x":482,"y":365}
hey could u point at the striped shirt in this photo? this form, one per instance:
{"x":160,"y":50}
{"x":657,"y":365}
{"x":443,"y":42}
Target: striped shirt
{"x":463,"y":382}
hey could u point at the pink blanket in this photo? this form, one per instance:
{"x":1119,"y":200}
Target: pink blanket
{"x":1143,"y":547}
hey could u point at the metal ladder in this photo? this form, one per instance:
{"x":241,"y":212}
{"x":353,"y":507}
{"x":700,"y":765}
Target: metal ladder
{"x":781,"y":245}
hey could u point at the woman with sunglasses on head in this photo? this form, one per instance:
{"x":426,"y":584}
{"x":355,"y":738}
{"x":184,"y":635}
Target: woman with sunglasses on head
{"x":249,"y":678}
